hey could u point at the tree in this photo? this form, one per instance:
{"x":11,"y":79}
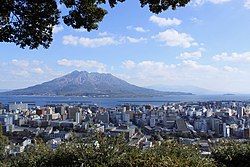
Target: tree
{"x":232,"y":154}
{"x":3,"y":143}
{"x":29,"y":23}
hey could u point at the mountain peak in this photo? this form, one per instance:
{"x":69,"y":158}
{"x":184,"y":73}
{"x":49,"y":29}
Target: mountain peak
{"x":83,"y":83}
{"x":75,"y":72}
{"x":78,"y":72}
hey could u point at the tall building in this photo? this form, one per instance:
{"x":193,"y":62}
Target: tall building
{"x":7,"y":123}
{"x":240,"y":112}
{"x":78,"y":117}
{"x":75,"y":113}
{"x":126,"y":117}
{"x":200,"y":125}
{"x":60,"y":109}
{"x":103,"y":117}
{"x":226,"y":130}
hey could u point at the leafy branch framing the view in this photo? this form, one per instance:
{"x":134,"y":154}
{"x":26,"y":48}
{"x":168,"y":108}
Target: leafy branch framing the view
{"x":29,"y":23}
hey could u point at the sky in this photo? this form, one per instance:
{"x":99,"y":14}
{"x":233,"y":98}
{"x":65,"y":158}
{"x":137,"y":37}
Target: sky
{"x":205,"y":44}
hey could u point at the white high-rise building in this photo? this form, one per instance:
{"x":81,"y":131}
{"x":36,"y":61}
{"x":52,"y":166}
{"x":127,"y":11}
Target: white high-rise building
{"x":126,"y":117}
{"x":226,"y":130}
{"x":240,"y":112}
{"x":78,"y":117}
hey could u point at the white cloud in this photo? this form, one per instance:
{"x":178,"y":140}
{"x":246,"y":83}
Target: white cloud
{"x":151,"y":71}
{"x":233,"y":57}
{"x":147,"y":72}
{"x":190,"y":55}
{"x":27,"y":68}
{"x":80,"y":30}
{"x":83,"y":64}
{"x":231,"y":69}
{"x":100,"y":41}
{"x":129,"y":64}
{"x":70,"y":40}
{"x":20,"y":63}
{"x":198,"y":2}
{"x":201,"y":2}
{"x":141,"y":29}
{"x":163,"y":22}
{"x":218,"y":1}
{"x":188,"y":72}
{"x":57,"y":28}
{"x":136,"y":40}
{"x":20,"y":73}
{"x":102,"y":34}
{"x":97,"y":42}
{"x":193,"y":65}
{"x":38,"y":70}
{"x":195,"y":20}
{"x":33,"y":70}
{"x":138,"y":29}
{"x":247,"y":4}
{"x":89,"y":42}
{"x":172,"y":37}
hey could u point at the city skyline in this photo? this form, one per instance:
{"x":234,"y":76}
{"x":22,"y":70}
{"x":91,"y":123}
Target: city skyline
{"x":204,"y":44}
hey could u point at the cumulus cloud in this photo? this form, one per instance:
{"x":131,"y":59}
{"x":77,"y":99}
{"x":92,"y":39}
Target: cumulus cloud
{"x":195,"y":20}
{"x":233,"y":57}
{"x":218,"y":1}
{"x":89,"y":42}
{"x":20,"y":63}
{"x":104,"y":40}
{"x":247,"y":4}
{"x":38,"y":70}
{"x":147,"y":72}
{"x":70,"y":40}
{"x":201,"y":2}
{"x":34,"y":71}
{"x":129,"y":64}
{"x":80,"y":30}
{"x":83,"y":64}
{"x":190,"y":55}
{"x":136,"y":40}
{"x":141,"y":29}
{"x":20,"y":73}
{"x":194,"y":65}
{"x":103,"y":34}
{"x":172,"y":37}
{"x":231,"y":69}
{"x":151,"y":71}
{"x":165,"y":22}
{"x":57,"y":29}
{"x":138,"y":29}
{"x":187,"y":72}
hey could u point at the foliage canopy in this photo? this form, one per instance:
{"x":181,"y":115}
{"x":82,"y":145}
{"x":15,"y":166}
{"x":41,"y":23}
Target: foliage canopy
{"x":111,"y":152}
{"x":29,"y":23}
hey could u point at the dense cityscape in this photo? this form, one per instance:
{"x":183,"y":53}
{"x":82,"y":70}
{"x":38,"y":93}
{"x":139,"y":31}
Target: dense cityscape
{"x":201,"y":123}
{"x":124,"y":83}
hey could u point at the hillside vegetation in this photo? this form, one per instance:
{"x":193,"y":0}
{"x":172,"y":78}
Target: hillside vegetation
{"x":100,"y":151}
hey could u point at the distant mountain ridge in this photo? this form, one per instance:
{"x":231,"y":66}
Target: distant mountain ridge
{"x":187,"y":88}
{"x":4,"y":90}
{"x":82,"y":83}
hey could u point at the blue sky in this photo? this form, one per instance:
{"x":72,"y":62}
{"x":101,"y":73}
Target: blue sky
{"x":205,"y":44}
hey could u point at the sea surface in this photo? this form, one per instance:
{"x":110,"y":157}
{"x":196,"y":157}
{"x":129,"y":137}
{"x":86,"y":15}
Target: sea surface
{"x":112,"y":102}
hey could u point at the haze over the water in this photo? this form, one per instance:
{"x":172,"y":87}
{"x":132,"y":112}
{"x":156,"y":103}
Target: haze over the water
{"x":205,"y":45}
